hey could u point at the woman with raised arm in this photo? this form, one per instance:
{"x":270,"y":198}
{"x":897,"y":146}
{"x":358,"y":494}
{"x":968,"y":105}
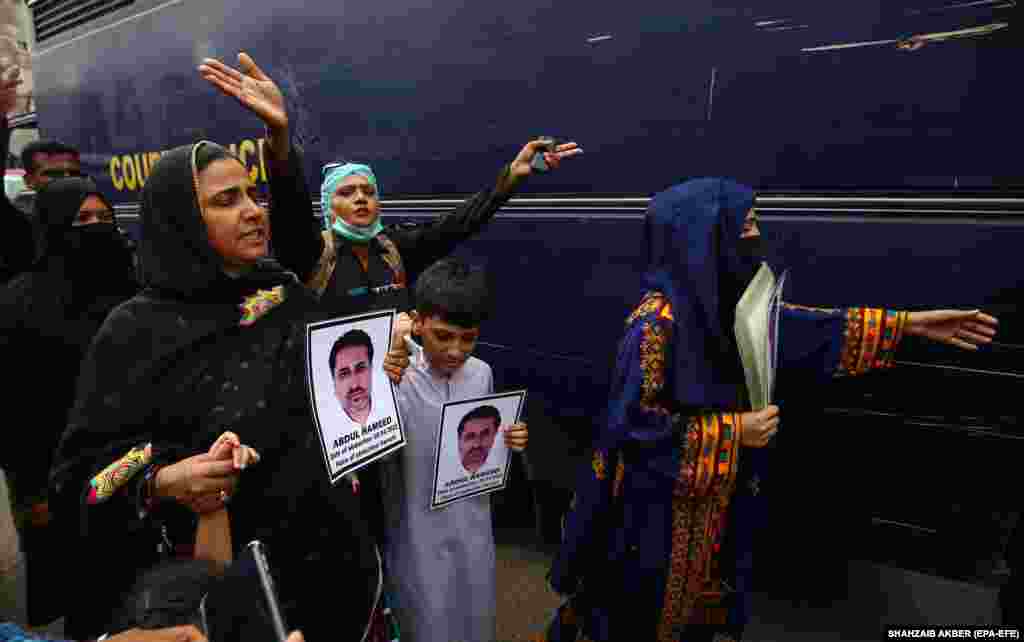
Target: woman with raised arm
{"x":658,"y":540}
{"x":355,"y":264}
{"x":213,"y":346}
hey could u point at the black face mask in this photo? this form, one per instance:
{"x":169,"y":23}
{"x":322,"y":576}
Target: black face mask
{"x":732,"y":286}
{"x":751,"y":248}
{"x":95,"y":238}
{"x":101,"y":251}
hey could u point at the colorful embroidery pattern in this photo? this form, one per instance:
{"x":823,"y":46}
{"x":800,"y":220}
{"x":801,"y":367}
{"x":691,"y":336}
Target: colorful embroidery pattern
{"x":870,"y":339}
{"x":651,"y":304}
{"x":103,"y":486}
{"x":652,"y":361}
{"x":895,"y":322}
{"x":620,"y":476}
{"x":599,"y":464}
{"x":706,"y":482}
{"x":257,"y":305}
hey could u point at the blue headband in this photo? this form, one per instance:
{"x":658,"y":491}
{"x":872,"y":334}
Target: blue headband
{"x":334,"y":173}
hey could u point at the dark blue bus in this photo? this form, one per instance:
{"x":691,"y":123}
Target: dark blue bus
{"x":884,"y":138}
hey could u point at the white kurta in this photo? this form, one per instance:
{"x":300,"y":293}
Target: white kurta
{"x":441,"y":563}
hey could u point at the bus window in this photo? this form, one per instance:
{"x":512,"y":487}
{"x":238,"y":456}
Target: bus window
{"x":53,"y":17}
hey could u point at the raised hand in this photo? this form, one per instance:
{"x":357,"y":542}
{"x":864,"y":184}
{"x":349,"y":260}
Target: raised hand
{"x":10,"y":78}
{"x":250,"y":86}
{"x":965,"y":329}
{"x":521,"y":167}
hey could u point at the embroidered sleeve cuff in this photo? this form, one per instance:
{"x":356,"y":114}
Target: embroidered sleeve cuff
{"x":115,"y":476}
{"x":870,"y":340}
{"x":711,"y":452}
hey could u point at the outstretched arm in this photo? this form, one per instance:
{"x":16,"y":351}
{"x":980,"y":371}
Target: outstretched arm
{"x":854,"y":341}
{"x":421,"y":245}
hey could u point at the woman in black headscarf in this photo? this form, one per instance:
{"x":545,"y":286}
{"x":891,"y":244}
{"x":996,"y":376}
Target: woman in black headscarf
{"x":48,"y":316}
{"x":214,"y":343}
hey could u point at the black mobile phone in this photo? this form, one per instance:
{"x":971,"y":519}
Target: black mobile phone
{"x":259,"y":554}
{"x":537,"y":162}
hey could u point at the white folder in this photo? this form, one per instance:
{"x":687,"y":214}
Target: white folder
{"x":757,"y":334}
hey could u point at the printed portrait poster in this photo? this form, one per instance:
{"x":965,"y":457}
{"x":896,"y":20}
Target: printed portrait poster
{"x":471,"y":456}
{"x":352,"y":399}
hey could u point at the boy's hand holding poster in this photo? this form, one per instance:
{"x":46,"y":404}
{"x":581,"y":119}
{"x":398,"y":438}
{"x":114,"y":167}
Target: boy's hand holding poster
{"x":471,"y":456}
{"x":351,"y":396}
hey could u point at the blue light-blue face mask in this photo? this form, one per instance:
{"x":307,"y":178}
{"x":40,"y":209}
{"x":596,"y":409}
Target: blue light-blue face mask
{"x":333,"y":174}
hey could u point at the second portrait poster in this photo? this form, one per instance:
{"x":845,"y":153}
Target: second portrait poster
{"x":470,"y":456}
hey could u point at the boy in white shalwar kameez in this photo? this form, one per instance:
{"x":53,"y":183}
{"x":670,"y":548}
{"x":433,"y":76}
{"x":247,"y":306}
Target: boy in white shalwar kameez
{"x":441,"y":563}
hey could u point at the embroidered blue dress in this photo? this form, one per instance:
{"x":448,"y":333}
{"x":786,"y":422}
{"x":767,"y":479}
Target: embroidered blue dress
{"x":646,"y":553}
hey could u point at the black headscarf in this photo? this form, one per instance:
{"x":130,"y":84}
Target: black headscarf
{"x":174,"y":367}
{"x":48,"y":317}
{"x":177,"y":260}
{"x":80,"y":263}
{"x":188,"y":300}
{"x":695,"y":259}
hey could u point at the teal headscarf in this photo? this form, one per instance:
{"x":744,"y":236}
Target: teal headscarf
{"x":334,"y":174}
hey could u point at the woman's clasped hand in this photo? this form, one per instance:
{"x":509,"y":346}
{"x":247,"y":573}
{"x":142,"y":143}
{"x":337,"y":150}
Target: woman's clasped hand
{"x":205,"y":482}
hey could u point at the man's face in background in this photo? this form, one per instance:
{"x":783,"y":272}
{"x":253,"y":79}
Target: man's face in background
{"x":50,"y":167}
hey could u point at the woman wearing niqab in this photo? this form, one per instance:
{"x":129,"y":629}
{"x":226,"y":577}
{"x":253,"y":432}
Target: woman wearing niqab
{"x":658,"y":540}
{"x":49,"y":314}
{"x":214,"y":344}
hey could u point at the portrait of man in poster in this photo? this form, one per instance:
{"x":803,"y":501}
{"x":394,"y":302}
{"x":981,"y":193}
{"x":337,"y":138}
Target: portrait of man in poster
{"x":477,"y":432}
{"x":352,"y":400}
{"x":351,"y":363}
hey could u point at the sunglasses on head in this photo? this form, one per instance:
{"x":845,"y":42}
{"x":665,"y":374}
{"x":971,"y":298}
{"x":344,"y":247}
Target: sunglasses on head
{"x":329,"y":166}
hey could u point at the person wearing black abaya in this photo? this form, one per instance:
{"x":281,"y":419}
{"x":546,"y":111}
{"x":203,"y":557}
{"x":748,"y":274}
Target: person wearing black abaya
{"x":214,"y":343}
{"x":48,"y":316}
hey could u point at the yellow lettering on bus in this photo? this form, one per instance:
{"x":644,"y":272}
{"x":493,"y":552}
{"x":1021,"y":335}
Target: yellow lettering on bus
{"x":263,"y":161}
{"x":129,"y":176}
{"x":115,"y":174}
{"x":141,"y":171}
{"x":246,"y":148}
